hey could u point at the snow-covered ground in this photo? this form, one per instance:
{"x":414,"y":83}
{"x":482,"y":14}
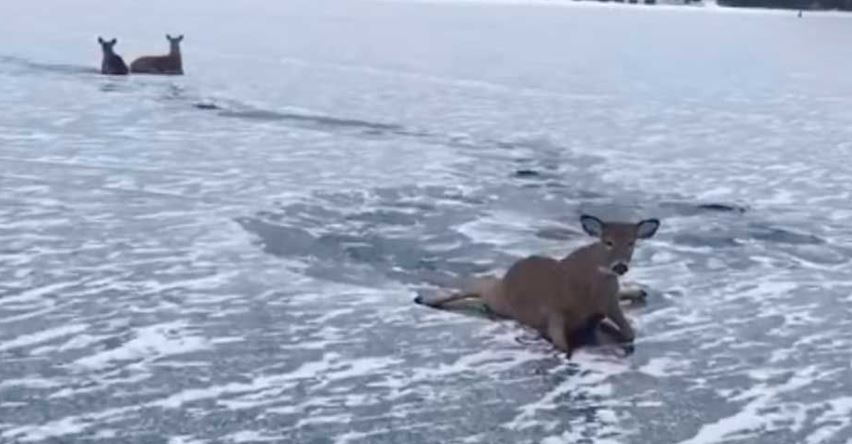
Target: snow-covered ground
{"x":230,"y":256}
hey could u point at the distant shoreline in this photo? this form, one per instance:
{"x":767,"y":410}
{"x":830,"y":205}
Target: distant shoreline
{"x":780,"y":6}
{"x":792,"y":5}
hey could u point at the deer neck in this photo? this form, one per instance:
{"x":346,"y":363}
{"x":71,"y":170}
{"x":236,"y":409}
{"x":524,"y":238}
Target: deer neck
{"x":590,"y":260}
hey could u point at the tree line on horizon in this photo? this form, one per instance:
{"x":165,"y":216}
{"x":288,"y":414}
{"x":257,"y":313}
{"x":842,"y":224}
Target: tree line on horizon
{"x":841,"y":5}
{"x":814,"y":5}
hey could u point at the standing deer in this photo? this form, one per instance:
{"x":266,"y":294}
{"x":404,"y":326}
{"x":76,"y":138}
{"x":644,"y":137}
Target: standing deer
{"x":566,"y":300}
{"x":112,"y":63}
{"x":170,"y":64}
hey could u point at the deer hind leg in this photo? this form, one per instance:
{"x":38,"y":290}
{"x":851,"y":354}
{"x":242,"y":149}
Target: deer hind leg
{"x":557,"y":335}
{"x":441,"y":300}
{"x":479,"y":288}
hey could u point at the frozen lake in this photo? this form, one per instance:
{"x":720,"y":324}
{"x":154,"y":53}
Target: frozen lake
{"x":230,"y":256}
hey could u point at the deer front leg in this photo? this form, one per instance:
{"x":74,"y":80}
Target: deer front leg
{"x":617,"y":316}
{"x":624,"y":332}
{"x":587,"y":334}
{"x":634,"y":296}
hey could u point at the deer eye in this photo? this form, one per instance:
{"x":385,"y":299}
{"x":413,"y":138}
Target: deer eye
{"x":609,"y":243}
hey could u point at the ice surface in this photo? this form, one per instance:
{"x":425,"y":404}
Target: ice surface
{"x":230,"y":256}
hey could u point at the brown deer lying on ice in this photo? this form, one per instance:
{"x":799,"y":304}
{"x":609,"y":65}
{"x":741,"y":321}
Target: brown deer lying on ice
{"x":566,"y":300}
{"x":170,"y":64}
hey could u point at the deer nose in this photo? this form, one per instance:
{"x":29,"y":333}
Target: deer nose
{"x":620,"y":268}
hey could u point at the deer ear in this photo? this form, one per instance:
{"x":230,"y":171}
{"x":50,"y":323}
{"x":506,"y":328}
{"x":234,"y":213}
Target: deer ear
{"x":168,"y":37}
{"x":591,"y":225}
{"x":180,"y":38}
{"x":113,"y":42}
{"x":100,"y":40}
{"x":647,"y":228}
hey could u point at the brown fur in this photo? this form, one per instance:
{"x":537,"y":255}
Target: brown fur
{"x":565,"y":299}
{"x":112,"y":63}
{"x":170,"y":64}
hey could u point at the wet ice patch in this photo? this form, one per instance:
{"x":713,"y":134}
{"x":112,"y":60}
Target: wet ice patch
{"x":147,"y":344}
{"x":49,"y":335}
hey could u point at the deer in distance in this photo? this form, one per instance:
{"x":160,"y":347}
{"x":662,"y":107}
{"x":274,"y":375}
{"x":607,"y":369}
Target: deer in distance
{"x":112,"y":63}
{"x":169,"y":64}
